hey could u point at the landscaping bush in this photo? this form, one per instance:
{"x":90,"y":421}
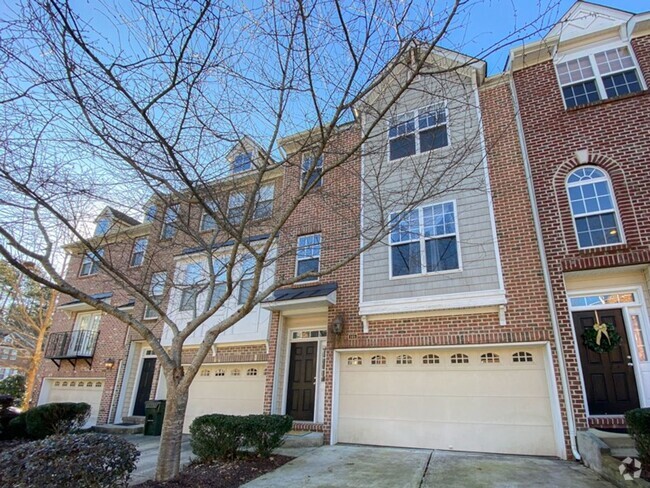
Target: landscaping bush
{"x":14,"y":386}
{"x":79,"y":460}
{"x":264,"y":433}
{"x":55,"y":419}
{"x":638,"y":426}
{"x":7,"y":413}
{"x":218,"y":436}
{"x":16,"y":428}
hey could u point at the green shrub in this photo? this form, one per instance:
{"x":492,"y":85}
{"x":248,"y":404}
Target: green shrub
{"x":79,"y":460}
{"x":16,"y":428}
{"x":14,"y":386}
{"x":55,"y":419}
{"x":638,"y":426}
{"x":7,"y":414}
{"x":264,"y":433}
{"x":218,"y":436}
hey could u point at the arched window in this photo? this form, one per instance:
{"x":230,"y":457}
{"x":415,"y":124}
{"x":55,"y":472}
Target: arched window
{"x":490,"y":357}
{"x":205,"y":372}
{"x":251,"y":372}
{"x":220,"y":372}
{"x":378,"y":359}
{"x":355,"y":361}
{"x":430,"y":359}
{"x":459,"y":358}
{"x":522,"y":357}
{"x":593,"y":207}
{"x":404,"y":359}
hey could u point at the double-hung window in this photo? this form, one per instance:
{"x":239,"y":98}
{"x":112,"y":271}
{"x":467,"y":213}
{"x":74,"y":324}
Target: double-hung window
{"x":169,"y":222}
{"x":264,"y":203}
{"x":90,"y":263}
{"x":593,"y":208}
{"x":418,"y":131}
{"x":424,"y":240}
{"x":308,"y":256}
{"x":190,"y":289}
{"x":220,"y":282}
{"x":598,"y":76}
{"x":139,"y":249}
{"x":242,"y":162}
{"x":156,"y":292}
{"x":207,"y":220}
{"x":246,"y":281}
{"x":236,"y":207}
{"x":311,"y":171}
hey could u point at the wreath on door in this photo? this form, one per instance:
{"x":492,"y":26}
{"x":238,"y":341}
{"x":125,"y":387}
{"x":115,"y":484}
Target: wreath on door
{"x":601,"y":337}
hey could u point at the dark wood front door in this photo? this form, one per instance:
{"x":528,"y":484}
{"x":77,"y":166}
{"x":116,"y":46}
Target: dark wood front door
{"x":609,"y":378}
{"x":144,"y":385}
{"x":302,"y":376}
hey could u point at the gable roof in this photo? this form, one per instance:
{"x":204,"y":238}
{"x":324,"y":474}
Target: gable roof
{"x":584,"y":17}
{"x":117,"y":215}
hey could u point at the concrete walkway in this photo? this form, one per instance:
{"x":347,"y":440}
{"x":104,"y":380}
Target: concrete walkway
{"x":379,"y":467}
{"x":149,"y":447}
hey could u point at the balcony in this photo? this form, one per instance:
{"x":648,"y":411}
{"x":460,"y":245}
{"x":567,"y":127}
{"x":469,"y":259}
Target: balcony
{"x":71,"y":346}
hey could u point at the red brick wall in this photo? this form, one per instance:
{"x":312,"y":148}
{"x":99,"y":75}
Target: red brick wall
{"x":615,"y":132}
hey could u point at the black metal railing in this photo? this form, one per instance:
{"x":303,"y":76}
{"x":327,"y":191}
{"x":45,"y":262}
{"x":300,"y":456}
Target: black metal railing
{"x":71,"y":345}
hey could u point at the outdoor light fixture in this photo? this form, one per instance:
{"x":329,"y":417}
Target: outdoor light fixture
{"x":109,"y":363}
{"x":337,"y":324}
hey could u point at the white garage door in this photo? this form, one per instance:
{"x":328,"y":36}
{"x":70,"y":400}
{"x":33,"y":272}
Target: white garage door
{"x":492,"y":400}
{"x":87,"y":390}
{"x":233,"y":390}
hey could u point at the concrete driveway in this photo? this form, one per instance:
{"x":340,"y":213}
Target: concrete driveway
{"x":379,"y":467}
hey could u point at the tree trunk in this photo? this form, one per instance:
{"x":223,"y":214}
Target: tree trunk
{"x":169,"y":457}
{"x":34,"y":364}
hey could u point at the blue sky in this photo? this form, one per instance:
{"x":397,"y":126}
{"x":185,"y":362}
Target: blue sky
{"x":492,"y":20}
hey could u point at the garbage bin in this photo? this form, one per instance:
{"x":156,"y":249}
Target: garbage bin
{"x":154,"y":413}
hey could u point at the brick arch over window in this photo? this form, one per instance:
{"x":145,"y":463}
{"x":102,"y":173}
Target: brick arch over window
{"x":619,"y":186}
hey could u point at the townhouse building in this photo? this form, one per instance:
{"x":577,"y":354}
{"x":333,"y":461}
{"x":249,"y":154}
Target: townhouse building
{"x":12,"y":359}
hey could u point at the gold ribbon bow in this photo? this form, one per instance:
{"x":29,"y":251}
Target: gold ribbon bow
{"x":601,"y":329}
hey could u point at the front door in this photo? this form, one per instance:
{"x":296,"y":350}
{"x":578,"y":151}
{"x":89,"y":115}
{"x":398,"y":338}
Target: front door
{"x":144,"y":386}
{"x":302,"y":380}
{"x":609,"y":377}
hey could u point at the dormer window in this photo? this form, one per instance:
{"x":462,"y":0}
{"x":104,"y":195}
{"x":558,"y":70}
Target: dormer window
{"x":242,"y":162}
{"x":598,"y":76}
{"x":150,"y":213}
{"x":103,"y":225}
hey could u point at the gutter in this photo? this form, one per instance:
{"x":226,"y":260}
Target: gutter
{"x":547,"y":279}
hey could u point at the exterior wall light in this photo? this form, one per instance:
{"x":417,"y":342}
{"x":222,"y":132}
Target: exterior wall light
{"x":337,"y":324}
{"x":109,"y":364}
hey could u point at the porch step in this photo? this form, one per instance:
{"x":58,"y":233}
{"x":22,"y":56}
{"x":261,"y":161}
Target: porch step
{"x":134,"y":419}
{"x":620,"y":445}
{"x":120,"y":429}
{"x":303,"y":439}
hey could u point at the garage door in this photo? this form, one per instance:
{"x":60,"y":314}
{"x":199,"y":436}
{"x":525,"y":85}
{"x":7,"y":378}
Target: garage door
{"x":234,"y":390}
{"x":492,"y":400}
{"x":87,"y":390}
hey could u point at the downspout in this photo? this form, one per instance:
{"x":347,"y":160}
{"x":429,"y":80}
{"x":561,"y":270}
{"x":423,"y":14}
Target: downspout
{"x":547,"y":279}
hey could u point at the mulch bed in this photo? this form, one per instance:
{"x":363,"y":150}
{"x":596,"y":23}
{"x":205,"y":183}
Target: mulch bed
{"x":223,"y":474}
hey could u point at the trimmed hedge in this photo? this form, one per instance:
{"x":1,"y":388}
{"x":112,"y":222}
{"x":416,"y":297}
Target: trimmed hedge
{"x":49,"y":419}
{"x":79,"y":460}
{"x":218,"y":436}
{"x":638,"y":426}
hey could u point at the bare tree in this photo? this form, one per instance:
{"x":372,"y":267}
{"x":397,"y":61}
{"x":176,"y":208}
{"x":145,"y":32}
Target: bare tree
{"x":128,"y":104}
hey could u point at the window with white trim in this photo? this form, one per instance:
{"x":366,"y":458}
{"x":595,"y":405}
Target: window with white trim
{"x":169,"y":222}
{"x":418,"y":131}
{"x":103,"y":226}
{"x":156,"y":292}
{"x":190,"y":289}
{"x":264,"y":202}
{"x":8,"y":353}
{"x":430,"y":359}
{"x":378,"y":359}
{"x":139,"y":249}
{"x":150,"y":213}
{"x":308,"y":255}
{"x":459,"y":358}
{"x":593,"y":208}
{"x":242,"y":162}
{"x":598,"y":76}
{"x":7,"y":372}
{"x":490,"y":357}
{"x":90,"y":263}
{"x":207,"y":220}
{"x":311,"y":171}
{"x":220,"y":282}
{"x":236,"y":207}
{"x":522,"y":357}
{"x":424,"y":240}
{"x":247,"y":276}
{"x":404,"y":359}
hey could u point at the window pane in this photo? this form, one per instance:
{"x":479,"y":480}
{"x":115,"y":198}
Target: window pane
{"x":575,"y":70}
{"x":406,"y":259}
{"x":307,"y":265}
{"x":614,"y":60}
{"x":245,"y":290}
{"x":150,"y":213}
{"x":263,"y":210}
{"x":442,"y":254}
{"x":308,"y":246}
{"x":580,"y":94}
{"x":432,"y":117}
{"x":433,"y":138}
{"x":621,"y":84}
{"x":188,"y":299}
{"x":407,"y":229}
{"x":243,"y":162}
{"x":402,"y":147}
{"x":597,"y":230}
{"x":218,"y":293}
{"x":439,"y":220}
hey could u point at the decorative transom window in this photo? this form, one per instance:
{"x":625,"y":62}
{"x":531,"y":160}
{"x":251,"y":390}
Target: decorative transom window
{"x":308,"y":334}
{"x":308,"y":256}
{"x":205,"y":372}
{"x":418,"y":131}
{"x":220,"y":372}
{"x":355,"y":361}
{"x":490,"y":357}
{"x":208,"y":221}
{"x":242,"y":162}
{"x":404,"y":359}
{"x":235,"y":372}
{"x":522,"y":357}
{"x":251,"y":372}
{"x":169,"y":222}
{"x":156,"y":292}
{"x":311,"y":171}
{"x":592,"y":300}
{"x":90,"y":263}
{"x":593,"y":208}
{"x":378,"y":359}
{"x":430,"y":359}
{"x":424,"y":240}
{"x":139,"y":249}
{"x":89,"y":384}
{"x":459,"y":359}
{"x":598,"y":76}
